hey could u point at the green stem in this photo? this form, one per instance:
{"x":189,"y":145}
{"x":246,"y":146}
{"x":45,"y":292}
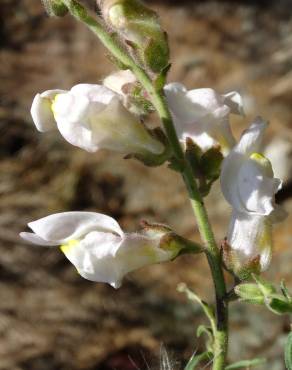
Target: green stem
{"x":158,"y":100}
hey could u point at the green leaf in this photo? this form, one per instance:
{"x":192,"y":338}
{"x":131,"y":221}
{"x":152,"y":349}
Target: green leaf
{"x":288,"y":352}
{"x":196,"y":359}
{"x":246,"y":364}
{"x":202,"y":329}
{"x":208,"y":310}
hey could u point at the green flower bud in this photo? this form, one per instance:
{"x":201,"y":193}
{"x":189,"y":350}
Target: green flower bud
{"x":140,"y":29}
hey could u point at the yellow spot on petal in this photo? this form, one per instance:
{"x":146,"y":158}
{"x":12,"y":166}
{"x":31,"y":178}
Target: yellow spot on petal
{"x":54,"y":102}
{"x":66,"y":248}
{"x":263,"y":162}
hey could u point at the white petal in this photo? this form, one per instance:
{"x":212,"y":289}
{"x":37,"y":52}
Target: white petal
{"x":72,"y":114}
{"x":41,"y":110}
{"x":200,"y":114}
{"x":94,"y":93}
{"x":35,"y":239}
{"x":116,"y":81}
{"x":117,"y":129}
{"x":61,"y":227}
{"x":69,"y":107}
{"x":42,"y":114}
{"x":181,"y":107}
{"x":208,"y":99}
{"x":105,"y":257}
{"x":250,"y":236}
{"x":234,"y":102}
{"x":256,"y":190}
{"x":249,"y":143}
{"x":251,"y":139}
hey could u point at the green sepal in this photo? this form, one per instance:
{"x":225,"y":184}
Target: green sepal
{"x":288,"y":352}
{"x":246,"y":364}
{"x":278,"y":305}
{"x":55,"y":8}
{"x":193,"y":155}
{"x":211,"y":162}
{"x":250,"y":293}
{"x":235,"y":267}
{"x":77,"y":9}
{"x":266,"y":287}
{"x":59,"y":8}
{"x":169,"y":240}
{"x":156,"y":53}
{"x":160,"y":80}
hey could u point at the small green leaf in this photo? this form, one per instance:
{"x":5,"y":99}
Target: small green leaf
{"x":196,"y":359}
{"x":208,"y":310}
{"x":202,"y":329}
{"x":246,"y":364}
{"x":288,"y":352}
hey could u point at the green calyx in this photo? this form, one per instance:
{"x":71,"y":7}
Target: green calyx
{"x":55,"y":8}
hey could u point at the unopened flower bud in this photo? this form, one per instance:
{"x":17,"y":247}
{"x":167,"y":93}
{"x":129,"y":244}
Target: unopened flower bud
{"x":140,"y":29}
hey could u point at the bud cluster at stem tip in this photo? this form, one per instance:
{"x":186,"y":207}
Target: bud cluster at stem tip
{"x":139,"y":28}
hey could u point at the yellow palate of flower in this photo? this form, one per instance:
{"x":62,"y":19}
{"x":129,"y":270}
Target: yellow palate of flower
{"x":66,"y":248}
{"x":54,"y":102}
{"x":263,"y":162}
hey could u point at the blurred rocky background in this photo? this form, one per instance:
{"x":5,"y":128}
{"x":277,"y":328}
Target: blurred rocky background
{"x":51,"y":319}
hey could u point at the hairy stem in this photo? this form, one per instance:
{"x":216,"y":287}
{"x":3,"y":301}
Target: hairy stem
{"x":158,"y":100}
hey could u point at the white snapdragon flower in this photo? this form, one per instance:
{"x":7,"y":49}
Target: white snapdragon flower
{"x":203,"y":115}
{"x":96,"y":245}
{"x":249,"y":186}
{"x":93,"y":117}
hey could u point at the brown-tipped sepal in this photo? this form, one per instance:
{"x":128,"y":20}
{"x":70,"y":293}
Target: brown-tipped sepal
{"x":234,"y":265}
